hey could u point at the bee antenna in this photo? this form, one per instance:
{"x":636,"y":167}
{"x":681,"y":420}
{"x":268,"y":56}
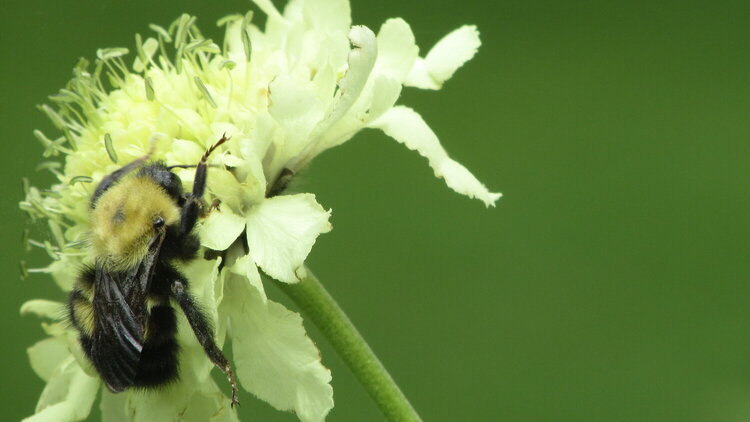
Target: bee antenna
{"x":190,"y":166}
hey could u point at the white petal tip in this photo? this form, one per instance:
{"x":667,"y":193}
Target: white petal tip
{"x":450,"y":53}
{"x":407,"y":127}
{"x":490,"y":199}
{"x":460,"y":179}
{"x":361,"y":35}
{"x":43,"y":308}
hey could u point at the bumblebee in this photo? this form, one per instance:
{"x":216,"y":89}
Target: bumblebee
{"x":123,"y":305}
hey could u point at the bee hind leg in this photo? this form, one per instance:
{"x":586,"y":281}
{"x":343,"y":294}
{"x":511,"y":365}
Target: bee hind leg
{"x":202,"y":329}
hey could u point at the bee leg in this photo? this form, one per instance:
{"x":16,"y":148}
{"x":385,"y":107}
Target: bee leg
{"x":281,"y":183}
{"x":194,"y":202}
{"x":203,"y":332}
{"x":215,"y":205}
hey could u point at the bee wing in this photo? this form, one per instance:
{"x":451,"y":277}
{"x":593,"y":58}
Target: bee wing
{"x":119,"y":331}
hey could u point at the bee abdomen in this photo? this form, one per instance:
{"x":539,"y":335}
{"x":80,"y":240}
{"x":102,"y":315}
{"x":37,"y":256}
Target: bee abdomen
{"x":158,"y":364}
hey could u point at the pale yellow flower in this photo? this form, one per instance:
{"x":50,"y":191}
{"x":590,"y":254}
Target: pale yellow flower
{"x":306,"y":83}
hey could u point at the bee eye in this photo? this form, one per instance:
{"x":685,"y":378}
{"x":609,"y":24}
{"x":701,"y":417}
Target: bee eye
{"x":158,"y":222}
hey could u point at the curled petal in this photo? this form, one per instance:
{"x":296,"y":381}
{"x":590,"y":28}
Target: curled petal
{"x":450,"y":53}
{"x":281,"y":232}
{"x":361,"y":62}
{"x":275,"y":359}
{"x":407,"y":127}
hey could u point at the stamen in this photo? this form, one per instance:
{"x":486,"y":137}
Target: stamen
{"x":205,"y":92}
{"x":25,"y":240}
{"x":51,"y":147}
{"x":110,"y":149}
{"x":105,"y":54}
{"x":178,"y":59}
{"x":161,"y":31}
{"x":24,"y":269}
{"x":51,"y":193}
{"x":227,"y":20}
{"x":56,"y":119}
{"x":183,"y":25}
{"x":80,"y":179}
{"x":246,"y":43}
{"x":51,"y":166}
{"x":150,"y":95}
{"x":141,"y":53}
{"x":245,"y":35}
{"x":66,"y":96}
{"x":57,"y":233}
{"x":204,"y":45}
{"x":51,"y":251}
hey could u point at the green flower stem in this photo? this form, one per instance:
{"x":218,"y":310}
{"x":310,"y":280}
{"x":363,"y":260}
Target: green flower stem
{"x":322,"y":309}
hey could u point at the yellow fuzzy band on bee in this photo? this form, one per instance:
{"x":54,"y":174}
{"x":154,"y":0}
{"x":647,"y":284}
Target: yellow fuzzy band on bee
{"x":83,"y":312}
{"x":122,"y":221}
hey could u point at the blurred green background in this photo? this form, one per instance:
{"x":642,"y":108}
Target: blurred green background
{"x":609,"y":284}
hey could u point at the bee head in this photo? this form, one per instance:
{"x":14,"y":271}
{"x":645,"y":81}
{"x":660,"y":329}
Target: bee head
{"x":128,"y":217}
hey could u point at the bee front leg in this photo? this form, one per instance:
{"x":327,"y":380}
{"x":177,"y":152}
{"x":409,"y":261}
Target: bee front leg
{"x":194,"y":201}
{"x":203,"y":332}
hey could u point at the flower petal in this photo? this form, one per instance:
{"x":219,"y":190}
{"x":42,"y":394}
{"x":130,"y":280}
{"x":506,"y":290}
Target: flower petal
{"x":297,"y":110}
{"x":407,"y":127}
{"x":182,"y":401}
{"x":44,"y":308}
{"x":64,"y":272}
{"x":450,"y":53}
{"x":75,"y":348}
{"x":385,"y":93}
{"x":194,"y":367}
{"x":232,"y":194}
{"x":275,"y":359}
{"x":47,"y":355}
{"x":361,"y":62}
{"x":209,"y":404}
{"x":68,"y":396}
{"x":397,"y":49}
{"x":268,"y":8}
{"x":220,"y":229}
{"x":244,"y":266}
{"x":113,"y":407}
{"x":281,"y":232}
{"x":328,"y":15}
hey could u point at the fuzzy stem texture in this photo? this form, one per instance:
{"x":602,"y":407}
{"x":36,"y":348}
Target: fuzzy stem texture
{"x":318,"y":305}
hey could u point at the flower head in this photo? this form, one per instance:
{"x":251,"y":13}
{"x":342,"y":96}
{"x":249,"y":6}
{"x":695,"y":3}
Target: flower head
{"x":306,"y":83}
